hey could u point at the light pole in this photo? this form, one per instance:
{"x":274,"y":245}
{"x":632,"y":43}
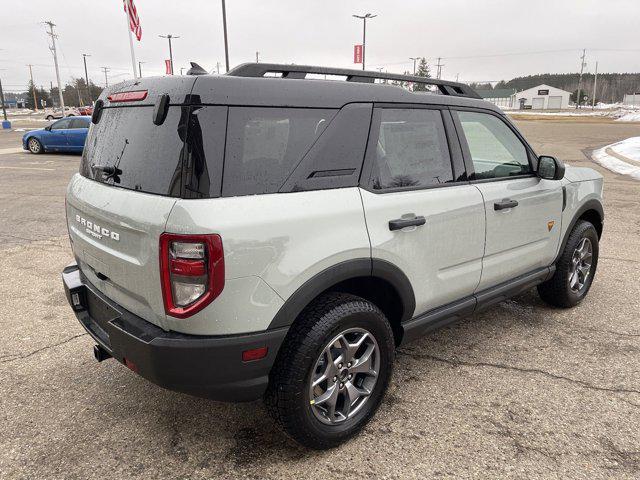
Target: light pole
{"x":169,"y":37}
{"x":414,"y":63}
{"x":86,"y":76}
{"x":224,"y":27}
{"x":140,"y":68}
{"x":364,"y":33}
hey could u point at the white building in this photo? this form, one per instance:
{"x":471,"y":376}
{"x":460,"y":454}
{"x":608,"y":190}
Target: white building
{"x":542,"y":97}
{"x":632,"y":99}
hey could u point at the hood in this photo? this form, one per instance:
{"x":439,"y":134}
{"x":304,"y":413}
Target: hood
{"x":580,"y":174}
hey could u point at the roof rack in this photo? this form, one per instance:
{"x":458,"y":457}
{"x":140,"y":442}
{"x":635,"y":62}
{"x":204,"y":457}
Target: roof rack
{"x":300,"y":72}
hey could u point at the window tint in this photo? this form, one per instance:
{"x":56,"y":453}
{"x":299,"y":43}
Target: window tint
{"x":264,"y":145}
{"x":80,"y":123}
{"x":412,"y":150}
{"x":61,"y":124}
{"x":495,"y":150}
{"x":148,"y":156}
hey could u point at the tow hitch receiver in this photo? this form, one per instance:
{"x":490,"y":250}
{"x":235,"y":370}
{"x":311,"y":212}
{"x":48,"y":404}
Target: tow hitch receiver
{"x":100,"y":353}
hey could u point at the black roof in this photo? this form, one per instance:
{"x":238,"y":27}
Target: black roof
{"x":247,"y":87}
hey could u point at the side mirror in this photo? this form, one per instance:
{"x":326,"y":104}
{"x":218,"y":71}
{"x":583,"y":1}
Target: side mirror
{"x":48,"y":128}
{"x":550,"y":168}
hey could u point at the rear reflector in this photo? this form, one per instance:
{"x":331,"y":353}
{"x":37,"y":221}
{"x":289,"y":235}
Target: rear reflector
{"x":130,"y":365}
{"x":134,"y":96}
{"x":254,"y":354}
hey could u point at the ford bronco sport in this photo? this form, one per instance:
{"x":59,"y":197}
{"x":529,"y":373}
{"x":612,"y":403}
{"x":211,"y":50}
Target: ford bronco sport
{"x":269,"y":233}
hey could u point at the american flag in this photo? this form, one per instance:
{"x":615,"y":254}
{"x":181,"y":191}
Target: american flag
{"x":134,"y":20}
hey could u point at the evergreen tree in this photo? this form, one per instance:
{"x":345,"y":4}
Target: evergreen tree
{"x":423,"y":71}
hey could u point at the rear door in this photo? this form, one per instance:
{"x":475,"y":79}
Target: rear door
{"x":522,"y":210}
{"x":115,"y":218}
{"x":77,"y":133}
{"x":422,"y":214}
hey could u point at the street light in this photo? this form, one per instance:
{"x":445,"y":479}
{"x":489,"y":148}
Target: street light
{"x":414,"y":63}
{"x":169,"y":37}
{"x":140,"y":68}
{"x":364,"y":32}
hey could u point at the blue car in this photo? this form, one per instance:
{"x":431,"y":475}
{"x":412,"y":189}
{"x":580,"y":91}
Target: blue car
{"x":65,"y":135}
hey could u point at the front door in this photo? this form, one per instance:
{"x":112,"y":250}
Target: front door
{"x":523,"y":211}
{"x":421,"y":214}
{"x":57,"y":137}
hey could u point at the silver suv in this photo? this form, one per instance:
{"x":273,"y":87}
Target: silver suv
{"x":270,"y":233}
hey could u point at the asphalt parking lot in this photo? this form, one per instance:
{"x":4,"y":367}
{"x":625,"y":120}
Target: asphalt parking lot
{"x":520,"y":391}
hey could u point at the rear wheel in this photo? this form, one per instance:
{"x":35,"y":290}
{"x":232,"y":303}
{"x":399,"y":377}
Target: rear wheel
{"x":332,"y":371}
{"x":49,"y":117}
{"x":575,"y":268}
{"x":34,"y":145}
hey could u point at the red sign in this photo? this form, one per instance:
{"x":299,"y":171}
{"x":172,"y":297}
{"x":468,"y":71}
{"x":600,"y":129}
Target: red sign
{"x":167,"y":64}
{"x":357,"y":54}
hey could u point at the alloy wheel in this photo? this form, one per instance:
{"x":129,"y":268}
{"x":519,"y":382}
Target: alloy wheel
{"x":34,"y":145}
{"x":580,"y":269}
{"x":344,"y":376}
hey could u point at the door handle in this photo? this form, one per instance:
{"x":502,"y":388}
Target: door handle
{"x":400,"y":223}
{"x":504,"y":204}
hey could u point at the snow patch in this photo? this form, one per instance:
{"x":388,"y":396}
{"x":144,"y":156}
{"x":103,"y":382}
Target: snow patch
{"x":621,"y":157}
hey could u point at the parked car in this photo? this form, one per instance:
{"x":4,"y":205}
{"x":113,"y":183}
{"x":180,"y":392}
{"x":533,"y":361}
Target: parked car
{"x":57,"y":113}
{"x":86,"y":110}
{"x":242,"y":236}
{"x":65,"y":135}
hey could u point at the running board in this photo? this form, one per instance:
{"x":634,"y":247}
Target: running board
{"x":478,"y":302}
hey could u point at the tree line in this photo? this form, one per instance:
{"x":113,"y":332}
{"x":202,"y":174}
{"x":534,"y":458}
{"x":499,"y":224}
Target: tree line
{"x":75,"y":94}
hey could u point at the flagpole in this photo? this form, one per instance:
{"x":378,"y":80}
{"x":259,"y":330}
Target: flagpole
{"x":133,"y":55}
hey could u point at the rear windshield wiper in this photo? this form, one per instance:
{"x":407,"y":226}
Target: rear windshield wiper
{"x":111,"y":171}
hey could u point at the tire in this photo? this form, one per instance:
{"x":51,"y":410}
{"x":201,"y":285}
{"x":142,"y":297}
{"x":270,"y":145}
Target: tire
{"x":563,"y":289}
{"x":35,"y":146}
{"x":49,"y":117}
{"x":304,"y":355}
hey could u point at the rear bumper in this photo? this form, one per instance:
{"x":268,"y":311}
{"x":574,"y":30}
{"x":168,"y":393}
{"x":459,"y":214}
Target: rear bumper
{"x":205,"y":366}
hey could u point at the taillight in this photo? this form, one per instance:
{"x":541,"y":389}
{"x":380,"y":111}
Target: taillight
{"x":191,"y":271}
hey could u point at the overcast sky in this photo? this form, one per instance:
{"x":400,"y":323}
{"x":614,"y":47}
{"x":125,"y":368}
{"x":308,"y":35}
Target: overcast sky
{"x":479,"y":40}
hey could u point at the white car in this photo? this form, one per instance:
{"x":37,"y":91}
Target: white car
{"x":55,"y":113}
{"x":242,"y":236}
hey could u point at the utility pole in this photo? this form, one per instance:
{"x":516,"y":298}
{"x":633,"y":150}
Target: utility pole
{"x":86,"y":76}
{"x":4,"y":110}
{"x":414,"y":63}
{"x":595,"y":82}
{"x":257,"y":57}
{"x":140,"y":68}
{"x":439,"y":65}
{"x":181,"y":69}
{"x":169,"y":37}
{"x":33,"y":87}
{"x":55,"y":61}
{"x":224,"y":27}
{"x":582,"y":64}
{"x":218,"y":67}
{"x":106,"y":79}
{"x":364,"y":33}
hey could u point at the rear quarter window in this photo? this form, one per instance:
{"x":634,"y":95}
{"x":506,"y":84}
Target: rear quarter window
{"x":264,"y":145}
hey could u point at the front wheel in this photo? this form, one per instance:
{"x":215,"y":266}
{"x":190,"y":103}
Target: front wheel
{"x":332,"y":371}
{"x":575,"y":268}
{"x":34,"y":145}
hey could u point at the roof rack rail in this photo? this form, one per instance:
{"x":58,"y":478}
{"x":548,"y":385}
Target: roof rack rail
{"x":300,"y":72}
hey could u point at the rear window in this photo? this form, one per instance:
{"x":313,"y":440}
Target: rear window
{"x":264,"y":145}
{"x":147,"y":156}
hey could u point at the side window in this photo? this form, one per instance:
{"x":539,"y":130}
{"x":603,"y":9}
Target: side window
{"x":79,"y":123}
{"x":495,"y":150}
{"x":412,"y":150}
{"x":264,"y":145}
{"x":62,"y":124}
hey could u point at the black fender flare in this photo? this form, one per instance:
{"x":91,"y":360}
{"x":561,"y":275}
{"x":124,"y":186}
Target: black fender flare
{"x":359,"y":267}
{"x":592,"y":204}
